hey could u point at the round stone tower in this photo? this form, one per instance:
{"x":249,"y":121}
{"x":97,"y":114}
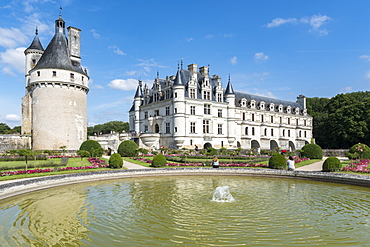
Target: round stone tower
{"x":54,"y":109}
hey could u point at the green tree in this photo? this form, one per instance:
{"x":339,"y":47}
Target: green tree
{"x":4,"y":128}
{"x":127,"y":148}
{"x":90,"y":146}
{"x":106,"y":128}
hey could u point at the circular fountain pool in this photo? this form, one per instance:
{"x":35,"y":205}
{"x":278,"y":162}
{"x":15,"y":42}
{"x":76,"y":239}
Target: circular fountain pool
{"x":179,"y":211}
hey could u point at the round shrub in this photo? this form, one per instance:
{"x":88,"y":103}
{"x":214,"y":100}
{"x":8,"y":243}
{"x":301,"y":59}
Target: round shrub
{"x":359,"y":151}
{"x":90,"y":145}
{"x":312,"y":151}
{"x":212,"y":151}
{"x":278,"y":161}
{"x":127,"y":148}
{"x":115,"y":161}
{"x":331,"y":164}
{"x":159,"y":160}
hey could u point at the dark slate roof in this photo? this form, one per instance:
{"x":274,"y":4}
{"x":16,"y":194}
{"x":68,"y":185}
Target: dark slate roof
{"x":229,"y":89}
{"x":179,"y":80}
{"x":36,"y":44}
{"x":56,"y":55}
{"x":267,"y":100}
{"x":138,"y":92}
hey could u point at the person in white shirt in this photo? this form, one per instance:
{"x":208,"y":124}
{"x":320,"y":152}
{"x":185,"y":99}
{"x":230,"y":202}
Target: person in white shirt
{"x":291,"y":163}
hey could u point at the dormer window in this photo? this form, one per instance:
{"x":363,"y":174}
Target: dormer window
{"x":262,"y":105}
{"x":272,"y":106}
{"x":288,"y":109}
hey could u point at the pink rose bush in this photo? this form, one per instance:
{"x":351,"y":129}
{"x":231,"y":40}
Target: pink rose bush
{"x":95,"y":163}
{"x":358,"y":166}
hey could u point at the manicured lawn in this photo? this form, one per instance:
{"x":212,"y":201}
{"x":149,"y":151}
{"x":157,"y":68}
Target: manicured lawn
{"x":72,"y":162}
{"x":306,"y":162}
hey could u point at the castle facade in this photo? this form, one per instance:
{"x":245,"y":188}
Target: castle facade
{"x":194,"y":109}
{"x":54,"y":112}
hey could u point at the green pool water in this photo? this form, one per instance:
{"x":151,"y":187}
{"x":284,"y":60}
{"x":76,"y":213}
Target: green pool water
{"x":178,"y":211}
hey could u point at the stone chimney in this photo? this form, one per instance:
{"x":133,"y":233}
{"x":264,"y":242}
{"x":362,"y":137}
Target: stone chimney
{"x":301,"y":100}
{"x":204,"y":71}
{"x":192,"y":68}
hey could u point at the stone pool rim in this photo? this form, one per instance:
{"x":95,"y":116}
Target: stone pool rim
{"x":22,"y":186}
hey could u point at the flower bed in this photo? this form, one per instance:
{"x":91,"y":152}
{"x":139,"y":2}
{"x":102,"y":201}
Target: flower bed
{"x":358,"y":166}
{"x":95,"y":163}
{"x":61,"y":156}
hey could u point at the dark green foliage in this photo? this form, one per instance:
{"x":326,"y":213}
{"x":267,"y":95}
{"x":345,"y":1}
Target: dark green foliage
{"x":212,"y":151}
{"x":159,"y":160}
{"x":5,"y":129}
{"x":278,"y":161}
{"x":90,"y":145}
{"x":143,"y":151}
{"x":106,"y":128}
{"x":312,"y":151}
{"x":83,"y":153}
{"x":331,"y":164}
{"x":359,"y":151}
{"x":115,"y":161}
{"x":97,"y":152}
{"x":127,"y":149}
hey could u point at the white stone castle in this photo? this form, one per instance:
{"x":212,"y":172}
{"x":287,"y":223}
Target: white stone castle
{"x":54,"y":110}
{"x":193,"y":109}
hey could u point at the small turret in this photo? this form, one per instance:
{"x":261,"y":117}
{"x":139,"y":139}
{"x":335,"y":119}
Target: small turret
{"x":229,"y":88}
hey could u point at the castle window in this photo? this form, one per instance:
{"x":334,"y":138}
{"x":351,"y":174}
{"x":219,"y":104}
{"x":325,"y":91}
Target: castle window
{"x":192,"y":93}
{"x":305,"y":122}
{"x":145,"y":128}
{"x":192,"y":110}
{"x":219,"y":97}
{"x":288,"y":133}
{"x":156,"y":113}
{"x":272,"y":132}
{"x":175,"y":129}
{"x":72,"y":76}
{"x":253,"y":131}
{"x":156,"y":127}
{"x":283,"y":133}
{"x":191,"y":142}
{"x":219,"y":126}
{"x":246,"y":131}
{"x":175,"y":110}
{"x":38,"y":73}
{"x":265,"y":132}
{"x":262,"y":118}
{"x":205,"y":126}
{"x":296,"y":121}
{"x":281,"y":120}
{"x":206,"y":95}
{"x":305,"y":134}
{"x":207,"y":109}
{"x":54,"y":73}
{"x":219,"y":114}
{"x":167,"y":110}
{"x":33,"y":62}
{"x":192,"y":128}
{"x":146,"y":115}
{"x":168,"y":130}
{"x":253,"y":117}
{"x":288,"y":120}
{"x":175,"y":95}
{"x":243,"y":116}
{"x":272,"y":119}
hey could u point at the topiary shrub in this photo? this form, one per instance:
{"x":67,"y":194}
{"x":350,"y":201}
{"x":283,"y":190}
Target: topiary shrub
{"x":212,"y":151}
{"x":90,"y":145}
{"x":115,"y":161}
{"x":312,"y":151}
{"x":359,"y":151}
{"x":127,"y":148}
{"x":278,"y":161}
{"x":332,"y":164}
{"x":159,"y":160}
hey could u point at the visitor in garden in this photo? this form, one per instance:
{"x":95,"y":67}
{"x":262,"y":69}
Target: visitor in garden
{"x":291,"y":162}
{"x":215,"y":163}
{"x":196,"y":148}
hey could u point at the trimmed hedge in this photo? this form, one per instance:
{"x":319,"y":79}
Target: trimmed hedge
{"x":332,"y":164}
{"x":159,"y":160}
{"x":312,"y":151}
{"x":278,"y":161}
{"x":90,"y":146}
{"x":115,"y":161}
{"x":359,"y":151}
{"x":127,"y":148}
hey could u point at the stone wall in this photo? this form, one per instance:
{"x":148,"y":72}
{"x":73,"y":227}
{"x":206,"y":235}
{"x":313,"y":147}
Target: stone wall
{"x":11,"y":142}
{"x":334,"y":152}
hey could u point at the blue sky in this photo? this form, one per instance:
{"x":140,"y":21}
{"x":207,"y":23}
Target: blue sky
{"x":273,"y":48}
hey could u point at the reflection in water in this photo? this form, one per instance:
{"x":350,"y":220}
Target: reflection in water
{"x":178,"y":211}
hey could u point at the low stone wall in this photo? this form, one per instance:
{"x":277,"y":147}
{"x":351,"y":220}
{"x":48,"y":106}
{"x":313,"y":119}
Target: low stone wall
{"x":11,"y":142}
{"x":17,"y":187}
{"x":334,"y":152}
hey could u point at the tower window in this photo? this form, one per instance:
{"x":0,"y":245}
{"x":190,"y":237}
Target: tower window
{"x":33,"y":62}
{"x":54,"y":73}
{"x":72,"y":76}
{"x":38,"y":73}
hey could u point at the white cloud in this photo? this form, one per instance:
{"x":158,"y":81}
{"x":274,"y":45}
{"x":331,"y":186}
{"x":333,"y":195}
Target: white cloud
{"x":146,"y":64}
{"x":260,"y":57}
{"x":12,"y":37}
{"x":228,"y":35}
{"x":316,"y":23}
{"x":209,"y":36}
{"x":189,"y":39}
{"x":263,"y":93}
{"x":234,"y":60}
{"x":124,"y":85}
{"x":280,"y":21}
{"x":132,"y":72}
{"x":13,"y":59}
{"x":346,"y":89}
{"x":117,"y":50}
{"x":261,"y":76}
{"x":95,"y":34}
{"x":97,"y":86}
{"x":367,"y":75}
{"x":12,"y":117}
{"x":365,"y":57}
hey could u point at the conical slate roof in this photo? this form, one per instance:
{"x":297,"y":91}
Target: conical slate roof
{"x":178,"y":79}
{"x":36,"y":44}
{"x":138,"y":92}
{"x":229,"y":88}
